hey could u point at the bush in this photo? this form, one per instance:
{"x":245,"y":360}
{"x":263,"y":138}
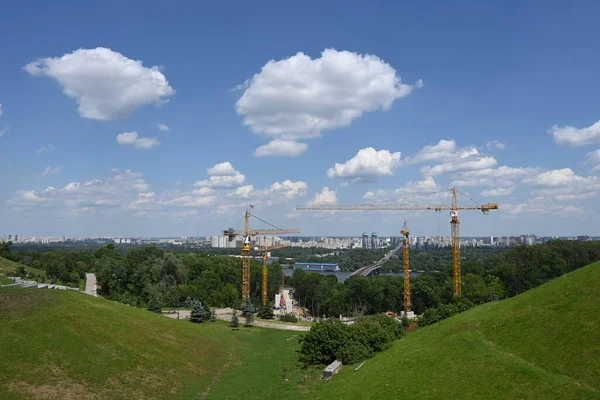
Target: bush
{"x":321,"y":344}
{"x":154,"y":305}
{"x":353,"y":352}
{"x":443,"y":311}
{"x":248,"y":311}
{"x":288,"y":318}
{"x":265,"y":312}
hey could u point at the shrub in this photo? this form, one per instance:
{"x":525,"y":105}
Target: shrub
{"x":199,"y":313}
{"x":265,"y":312}
{"x":353,"y":352}
{"x":248,"y":311}
{"x":235,"y":321}
{"x":323,"y":341}
{"x":288,"y":318}
{"x":154,"y":305}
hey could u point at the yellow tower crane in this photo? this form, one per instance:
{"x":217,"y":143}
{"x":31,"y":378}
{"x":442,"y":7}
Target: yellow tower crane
{"x":247,"y":233}
{"x":265,"y":276}
{"x":454,"y":208}
{"x":404,"y":232}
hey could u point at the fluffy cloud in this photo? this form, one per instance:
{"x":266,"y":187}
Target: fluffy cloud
{"x":222,"y":175}
{"x":494,"y":144}
{"x":298,"y":97}
{"x":49,"y":170}
{"x":563,"y":184}
{"x":163,"y":127}
{"x":493,"y":177}
{"x":427,"y":187}
{"x":281,"y":148}
{"x":460,"y":164}
{"x":131,"y":138}
{"x":325,"y":196}
{"x":444,"y":150}
{"x":366,"y":166}
{"x":497,"y":192}
{"x":286,"y":190}
{"x":105,"y":84}
{"x":593,"y":157}
{"x":4,"y":131}
{"x":45,"y":148}
{"x":572,"y":136}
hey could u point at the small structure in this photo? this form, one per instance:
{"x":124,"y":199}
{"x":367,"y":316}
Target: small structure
{"x":332,"y":369}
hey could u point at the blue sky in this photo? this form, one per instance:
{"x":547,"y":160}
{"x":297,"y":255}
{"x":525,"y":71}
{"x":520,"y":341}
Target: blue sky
{"x":501,"y":100}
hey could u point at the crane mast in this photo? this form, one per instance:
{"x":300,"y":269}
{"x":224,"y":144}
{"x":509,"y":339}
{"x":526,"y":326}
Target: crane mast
{"x":265,"y":272}
{"x":247,"y":233}
{"x":454,"y":221}
{"x":406,"y":261}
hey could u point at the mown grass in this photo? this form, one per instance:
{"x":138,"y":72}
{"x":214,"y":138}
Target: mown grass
{"x":5,"y":281}
{"x":9,"y":266}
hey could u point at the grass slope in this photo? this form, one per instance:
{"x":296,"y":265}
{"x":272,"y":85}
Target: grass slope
{"x":58,"y":344}
{"x":543,"y":344}
{"x":7,"y":266}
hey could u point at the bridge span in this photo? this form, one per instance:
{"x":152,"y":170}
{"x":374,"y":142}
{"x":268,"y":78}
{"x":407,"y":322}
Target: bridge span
{"x":365,"y":271}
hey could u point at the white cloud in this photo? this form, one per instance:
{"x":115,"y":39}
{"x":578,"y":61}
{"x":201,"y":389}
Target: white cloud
{"x":131,"y":138}
{"x":563,"y":184}
{"x":4,"y":131}
{"x":325,"y":196}
{"x":427,"y":187}
{"x":284,"y":191}
{"x":494,"y":144}
{"x":281,"y":148}
{"x":572,"y":136}
{"x":45,"y":148}
{"x":444,"y":150}
{"x":1,"y":110}
{"x":243,"y":192}
{"x":222,"y":169}
{"x":460,"y":164}
{"x":366,"y":166}
{"x":222,"y":175}
{"x":497,"y":192}
{"x":105,"y":84}
{"x":593,"y":158}
{"x":557,"y":178}
{"x":163,"y":127}
{"x":493,"y":177}
{"x":299,"y":97}
{"x":49,"y":170}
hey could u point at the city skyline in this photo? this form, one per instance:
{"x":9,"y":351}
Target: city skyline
{"x":200,"y":110}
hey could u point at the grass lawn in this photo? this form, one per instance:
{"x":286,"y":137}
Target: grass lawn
{"x":7,"y":266}
{"x":5,"y":281}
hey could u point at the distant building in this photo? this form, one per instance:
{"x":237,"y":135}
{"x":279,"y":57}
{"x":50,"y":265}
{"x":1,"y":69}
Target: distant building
{"x":365,"y":240}
{"x":214,"y":241}
{"x":374,"y":240}
{"x":530,"y":240}
{"x":420,"y":243}
{"x":580,"y":238}
{"x":316,"y":267}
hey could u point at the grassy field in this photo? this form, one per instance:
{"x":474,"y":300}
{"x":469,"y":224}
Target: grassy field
{"x":540,"y":345}
{"x":5,"y":281}
{"x":7,"y":266}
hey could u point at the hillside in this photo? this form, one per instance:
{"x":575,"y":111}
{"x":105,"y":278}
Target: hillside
{"x":59,"y":344}
{"x":543,"y":344}
{"x":7,"y":266}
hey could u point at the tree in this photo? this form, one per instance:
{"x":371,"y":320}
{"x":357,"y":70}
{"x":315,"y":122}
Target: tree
{"x":154,"y":305}
{"x":235,"y":321}
{"x":199,"y":313}
{"x":5,"y":249}
{"x":265,"y":312}
{"x":248,"y":311}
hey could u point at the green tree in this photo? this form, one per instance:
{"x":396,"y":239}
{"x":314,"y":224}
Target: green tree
{"x":248,"y":311}
{"x":266,"y":312}
{"x":200,"y":313}
{"x":154,"y":305}
{"x":235,"y":321}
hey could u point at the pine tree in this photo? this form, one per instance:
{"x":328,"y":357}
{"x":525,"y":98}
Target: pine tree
{"x":266,"y":312}
{"x":213,"y":316}
{"x":248,"y":311}
{"x":199,"y":312}
{"x":154,"y":305}
{"x":235,"y":321}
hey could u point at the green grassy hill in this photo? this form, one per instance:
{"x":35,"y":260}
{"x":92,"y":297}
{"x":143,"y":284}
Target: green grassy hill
{"x":543,"y":344}
{"x":7,"y":266}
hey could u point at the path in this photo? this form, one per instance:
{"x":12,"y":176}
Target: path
{"x":90,"y":285}
{"x":224,"y":314}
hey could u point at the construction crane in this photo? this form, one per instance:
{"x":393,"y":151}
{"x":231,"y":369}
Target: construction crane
{"x":454,"y":208}
{"x":265,"y":277}
{"x":404,"y":232}
{"x":247,"y":233}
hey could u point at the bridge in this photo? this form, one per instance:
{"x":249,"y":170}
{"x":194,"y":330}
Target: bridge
{"x":365,"y":271}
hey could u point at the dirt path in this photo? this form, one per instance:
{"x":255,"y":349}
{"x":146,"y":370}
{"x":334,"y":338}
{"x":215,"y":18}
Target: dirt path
{"x":224,"y":314}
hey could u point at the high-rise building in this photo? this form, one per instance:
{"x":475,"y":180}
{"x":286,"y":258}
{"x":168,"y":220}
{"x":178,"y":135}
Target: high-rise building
{"x":16,"y":238}
{"x":374,"y":240}
{"x":214,"y":241}
{"x":420,"y":243}
{"x":530,"y":240}
{"x":365,"y":240}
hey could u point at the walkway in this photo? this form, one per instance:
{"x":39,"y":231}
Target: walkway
{"x":90,"y":285}
{"x":224,"y":314}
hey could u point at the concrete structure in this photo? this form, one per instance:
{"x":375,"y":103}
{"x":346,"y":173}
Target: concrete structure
{"x":374,"y":240}
{"x":332,"y":369}
{"x":365,"y":240}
